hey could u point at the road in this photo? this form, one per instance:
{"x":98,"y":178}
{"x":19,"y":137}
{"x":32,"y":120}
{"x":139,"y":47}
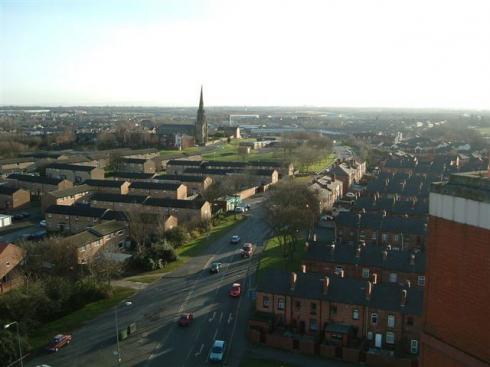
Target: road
{"x":158,"y":340}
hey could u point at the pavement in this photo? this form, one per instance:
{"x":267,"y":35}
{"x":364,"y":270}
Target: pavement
{"x":159,"y":341}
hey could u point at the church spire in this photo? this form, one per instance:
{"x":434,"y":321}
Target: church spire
{"x":201,"y":127}
{"x":201,"y":101}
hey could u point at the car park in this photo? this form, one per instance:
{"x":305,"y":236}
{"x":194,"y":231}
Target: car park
{"x":215,"y":268}
{"x":235,"y":290}
{"x":235,"y":239}
{"x":185,"y":319}
{"x":58,"y":342}
{"x":217,"y":351}
{"x":247,"y":250}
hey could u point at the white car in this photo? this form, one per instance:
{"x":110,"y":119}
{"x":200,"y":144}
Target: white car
{"x":43,"y":223}
{"x":217,"y":351}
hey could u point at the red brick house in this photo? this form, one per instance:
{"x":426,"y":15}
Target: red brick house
{"x":11,"y":256}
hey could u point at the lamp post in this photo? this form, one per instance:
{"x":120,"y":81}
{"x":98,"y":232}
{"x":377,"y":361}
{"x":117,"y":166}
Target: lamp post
{"x":118,"y":352}
{"x":18,"y":339}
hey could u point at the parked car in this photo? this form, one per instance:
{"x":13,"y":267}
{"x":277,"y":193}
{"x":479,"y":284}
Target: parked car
{"x":235,"y":239}
{"x":215,"y":268}
{"x":350,"y":195}
{"x":247,"y":250}
{"x":235,"y":290}
{"x":37,"y":236}
{"x":239,"y":209}
{"x":18,"y":216}
{"x":43,"y":223}
{"x":217,"y":351}
{"x":58,"y":342}
{"x":185,"y":319}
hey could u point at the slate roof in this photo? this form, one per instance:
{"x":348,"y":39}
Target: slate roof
{"x":35,"y":179}
{"x":104,"y":183}
{"x":70,"y":191}
{"x":7,"y":190}
{"x":103,"y":229}
{"x":70,"y":167}
{"x":134,"y":160}
{"x":118,"y":198}
{"x":80,"y":210}
{"x":387,"y":296}
{"x":227,"y":171}
{"x":175,"y":203}
{"x":133,"y":175}
{"x":184,"y":162}
{"x":180,"y":178}
{"x":155,"y":186}
{"x":370,"y":256}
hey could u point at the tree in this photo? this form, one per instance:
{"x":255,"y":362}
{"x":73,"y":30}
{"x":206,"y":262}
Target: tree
{"x":177,"y":236}
{"x":138,"y":231}
{"x":291,"y":209}
{"x":102,"y":268}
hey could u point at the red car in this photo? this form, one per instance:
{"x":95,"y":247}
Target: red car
{"x":58,"y":342}
{"x":235,"y":290}
{"x":247,"y":250}
{"x":185,"y":319}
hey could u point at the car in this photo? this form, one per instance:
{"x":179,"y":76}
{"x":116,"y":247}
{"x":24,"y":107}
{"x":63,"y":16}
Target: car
{"x":185,"y":319}
{"x":235,"y":290}
{"x":235,"y":239}
{"x":43,"y":223}
{"x":217,"y":351}
{"x":18,"y":216}
{"x":37,"y":236}
{"x":26,"y":214}
{"x":58,"y":342}
{"x":239,"y":209}
{"x":215,"y":268}
{"x":247,"y":250}
{"x":326,"y":218}
{"x":350,"y":195}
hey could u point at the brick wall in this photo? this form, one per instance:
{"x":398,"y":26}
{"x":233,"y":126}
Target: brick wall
{"x":457,"y":297}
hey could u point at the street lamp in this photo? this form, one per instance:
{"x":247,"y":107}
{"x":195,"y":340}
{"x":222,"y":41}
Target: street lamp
{"x":118,"y":352}
{"x":18,"y":339}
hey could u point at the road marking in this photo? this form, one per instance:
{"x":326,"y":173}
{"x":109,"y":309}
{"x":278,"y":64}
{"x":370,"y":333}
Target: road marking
{"x":230,"y":317}
{"x":215,"y":334}
{"x":200,"y":351}
{"x":221,"y":317}
{"x":212,"y":318}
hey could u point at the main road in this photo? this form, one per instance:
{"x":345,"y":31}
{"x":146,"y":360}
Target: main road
{"x":159,"y":341}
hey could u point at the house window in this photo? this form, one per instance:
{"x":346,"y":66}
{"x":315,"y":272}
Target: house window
{"x":384,"y":236}
{"x":393,"y":278}
{"x":355,"y":314}
{"x":266,"y":301}
{"x":421,"y":280}
{"x":280,"y":304}
{"x":374,"y":318}
{"x":390,"y":337}
{"x":370,"y":335}
{"x":313,"y":308}
{"x":365,"y":273}
{"x":333,"y":309}
{"x":414,"y":346}
{"x":409,"y":321}
{"x":297,"y":305}
{"x":396,"y":238}
{"x":313,"y":325}
{"x":391,"y":321}
{"x":338,"y":269}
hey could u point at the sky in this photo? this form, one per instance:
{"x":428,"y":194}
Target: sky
{"x":343,"y":53}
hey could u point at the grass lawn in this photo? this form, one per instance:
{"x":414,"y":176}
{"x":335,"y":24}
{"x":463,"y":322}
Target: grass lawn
{"x":252,"y":362}
{"x":166,"y":154}
{"x":76,"y":319}
{"x":322,"y":164}
{"x":484,"y":130}
{"x":194,"y":247}
{"x":273,"y":258}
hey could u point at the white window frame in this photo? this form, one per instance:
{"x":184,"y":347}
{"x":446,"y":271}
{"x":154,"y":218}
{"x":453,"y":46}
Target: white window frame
{"x":355,"y":314}
{"x":266,"y":301}
{"x":370,"y":335}
{"x":365,"y":273}
{"x":414,"y":346}
{"x":421,"y":280}
{"x":393,"y":278}
{"x":391,"y":321}
{"x":338,"y":269}
{"x":281,"y":304}
{"x":390,"y":337}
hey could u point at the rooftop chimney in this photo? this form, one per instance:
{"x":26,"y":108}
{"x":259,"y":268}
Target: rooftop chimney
{"x":412,"y":259}
{"x":303,"y":269}
{"x":407,"y":283}
{"x":326,"y":284}
{"x":403,"y":300}
{"x":332,"y":249}
{"x":369,"y":289}
{"x":385,"y":255}
{"x":374,"y":278}
{"x":314,"y":237}
{"x":341,"y":273}
{"x":307,"y":246}
{"x":358,"y":252}
{"x":293,"y":279}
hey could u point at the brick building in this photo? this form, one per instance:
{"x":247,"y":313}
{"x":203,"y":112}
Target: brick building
{"x":132,"y":176}
{"x":74,"y":172}
{"x":458,"y":271}
{"x":11,"y":276}
{"x":159,"y":189}
{"x":195,"y":184}
{"x":139,"y":165}
{"x":37,"y":185}
{"x":109,"y":186}
{"x":11,"y":197}
{"x":68,"y":196}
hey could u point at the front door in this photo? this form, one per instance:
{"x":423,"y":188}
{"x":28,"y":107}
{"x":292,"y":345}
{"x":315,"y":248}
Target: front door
{"x":378,"y":340}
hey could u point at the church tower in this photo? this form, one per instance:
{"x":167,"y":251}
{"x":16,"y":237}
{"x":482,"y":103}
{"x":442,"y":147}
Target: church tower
{"x":201,"y":135}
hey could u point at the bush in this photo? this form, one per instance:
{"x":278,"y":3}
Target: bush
{"x":177,"y":236}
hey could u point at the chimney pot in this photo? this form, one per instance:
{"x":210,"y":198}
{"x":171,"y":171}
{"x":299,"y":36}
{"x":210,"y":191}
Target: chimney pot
{"x":358,"y":252}
{"x":341,"y":273}
{"x":303,"y":268}
{"x":314,"y":237}
{"x":326,"y":284}
{"x":385,"y":255}
{"x":307,"y":246}
{"x":403,"y":301}
{"x":294,"y":277}
{"x":374,"y":278}
{"x":407,"y":283}
{"x":412,"y":259}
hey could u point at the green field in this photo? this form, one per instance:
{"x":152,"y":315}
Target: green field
{"x":76,"y":319}
{"x":167,"y":154}
{"x":321,"y":164}
{"x":272,"y":258}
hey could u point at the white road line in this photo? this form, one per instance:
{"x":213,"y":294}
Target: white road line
{"x":221,"y":317}
{"x":212,"y":318}
{"x":230,"y":317}
{"x":200,"y":351}
{"x":215,"y":334}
